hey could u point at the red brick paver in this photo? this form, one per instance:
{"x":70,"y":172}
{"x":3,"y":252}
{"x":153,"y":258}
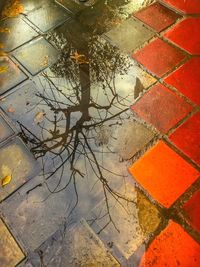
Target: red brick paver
{"x":161,"y":107}
{"x":172,"y":248}
{"x":192,"y":208}
{"x":187,"y":79}
{"x":164,"y":174}
{"x":157,"y":16}
{"x":159,"y":57}
{"x":186,"y":6}
{"x":187,"y":137}
{"x":181,"y":35}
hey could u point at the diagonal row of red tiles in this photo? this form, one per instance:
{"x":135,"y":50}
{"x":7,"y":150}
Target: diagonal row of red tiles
{"x":162,"y":172}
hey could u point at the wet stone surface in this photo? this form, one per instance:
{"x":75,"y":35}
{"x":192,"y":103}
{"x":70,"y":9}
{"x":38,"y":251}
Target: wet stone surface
{"x":18,"y":32}
{"x":5,"y":130}
{"x":44,"y":55}
{"x":10,"y":253}
{"x":80,"y":247}
{"x":130,"y":35}
{"x":10,"y":76}
{"x":157,"y":16}
{"x":162,"y":108}
{"x":81,"y":206}
{"x":131,"y":222}
{"x":48,"y":17}
{"x":15,"y":161}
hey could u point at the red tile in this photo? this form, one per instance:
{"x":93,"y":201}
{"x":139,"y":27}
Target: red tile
{"x":187,"y":79}
{"x":172,"y":248}
{"x":161,"y":107}
{"x":157,"y":16}
{"x":186,"y":35}
{"x":192,"y":208}
{"x":186,"y":6}
{"x":164,"y":174}
{"x":187,"y":137}
{"x":159,"y":57}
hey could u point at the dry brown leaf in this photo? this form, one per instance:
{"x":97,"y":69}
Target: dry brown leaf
{"x":11,"y":109}
{"x":39,"y":117}
{"x":45,"y":62}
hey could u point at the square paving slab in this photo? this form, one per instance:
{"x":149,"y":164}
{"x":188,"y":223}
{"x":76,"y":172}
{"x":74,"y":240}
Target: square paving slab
{"x":10,"y":76}
{"x":134,"y":220}
{"x":44,"y":55}
{"x":157,"y":16}
{"x":191,"y":208}
{"x":15,"y":161}
{"x":164,"y":174}
{"x":5,"y":130}
{"x":172,"y":247}
{"x":181,"y":35}
{"x":134,"y":136}
{"x":30,"y":5}
{"x":48,"y":16}
{"x":187,"y":137}
{"x":159,"y":57}
{"x":16,"y":32}
{"x":130,"y":35}
{"x":10,"y":253}
{"x":187,"y":79}
{"x":79,"y":246}
{"x":161,"y":107}
{"x":184,"y":6}
{"x":71,"y":5}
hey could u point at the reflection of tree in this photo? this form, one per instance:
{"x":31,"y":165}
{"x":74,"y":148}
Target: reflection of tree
{"x":75,"y":115}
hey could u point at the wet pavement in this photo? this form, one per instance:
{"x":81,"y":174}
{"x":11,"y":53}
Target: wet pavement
{"x":99,"y":133}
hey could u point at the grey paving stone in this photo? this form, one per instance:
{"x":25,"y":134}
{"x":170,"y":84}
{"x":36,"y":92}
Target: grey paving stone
{"x":18,"y":162}
{"x":5,"y":130}
{"x":36,"y":55}
{"x":18,"y":32}
{"x":129,"y":35}
{"x":126,"y":224}
{"x":80,"y":246}
{"x":48,"y":16}
{"x":71,"y":5}
{"x":10,"y":76}
{"x":132,"y":137}
{"x":30,"y":5}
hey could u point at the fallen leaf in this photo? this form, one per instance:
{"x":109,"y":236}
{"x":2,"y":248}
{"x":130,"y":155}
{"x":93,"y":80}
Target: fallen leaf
{"x":6,"y":180}
{"x":3,"y":69}
{"x":11,"y":109}
{"x":45,"y":62}
{"x":4,"y":30}
{"x":2,"y":54}
{"x":12,"y":9}
{"x":39,"y":117}
{"x":80,"y":59}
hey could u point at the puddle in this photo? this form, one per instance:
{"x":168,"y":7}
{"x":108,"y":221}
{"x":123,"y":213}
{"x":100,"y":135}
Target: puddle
{"x":74,"y":117}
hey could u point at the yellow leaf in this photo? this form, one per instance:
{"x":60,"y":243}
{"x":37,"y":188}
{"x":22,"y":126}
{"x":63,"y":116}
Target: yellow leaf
{"x":2,"y":54}
{"x":3,"y":69}
{"x":80,"y":59}
{"x":39,"y":117}
{"x":4,"y":30}
{"x":6,"y":180}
